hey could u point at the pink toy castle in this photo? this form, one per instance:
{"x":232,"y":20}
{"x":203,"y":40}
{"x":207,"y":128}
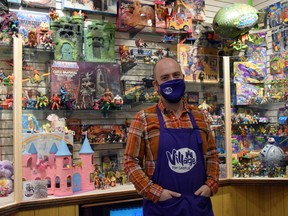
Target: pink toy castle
{"x":63,"y":179}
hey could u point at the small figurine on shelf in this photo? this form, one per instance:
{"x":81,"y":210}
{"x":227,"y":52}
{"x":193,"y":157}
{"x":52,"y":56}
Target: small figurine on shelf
{"x":96,"y":104}
{"x":42,"y":101}
{"x":55,"y":102}
{"x":37,"y":77}
{"x":206,"y":109}
{"x":32,"y":39}
{"x":9,"y":80}
{"x":106,"y":99}
{"x":63,"y":95}
{"x":53,"y":14}
{"x":140,"y":44}
{"x":118,"y":102}
{"x":201,"y":76}
{"x":70,"y":103}
{"x":46,"y":41}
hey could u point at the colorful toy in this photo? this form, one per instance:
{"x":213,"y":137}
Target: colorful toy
{"x":9,"y":27}
{"x":248,"y":72}
{"x":178,"y":14}
{"x":6,"y":178}
{"x":55,"y":102}
{"x":42,"y":101}
{"x":53,"y":14}
{"x":67,"y":36}
{"x":84,"y":81}
{"x":100,"y":134}
{"x":272,"y":155}
{"x":234,"y":20}
{"x":274,"y":14}
{"x":30,"y":25}
{"x":99,"y":42}
{"x":45,"y":40}
{"x":63,"y":178}
{"x":133,"y":14}
{"x":118,"y":102}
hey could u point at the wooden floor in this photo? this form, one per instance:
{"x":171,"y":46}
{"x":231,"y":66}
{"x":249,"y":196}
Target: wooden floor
{"x":240,"y":200}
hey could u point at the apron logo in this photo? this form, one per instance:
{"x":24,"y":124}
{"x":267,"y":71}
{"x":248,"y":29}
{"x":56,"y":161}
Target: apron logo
{"x":181,"y":160}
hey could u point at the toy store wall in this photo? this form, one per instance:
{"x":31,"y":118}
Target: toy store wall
{"x":251,"y":198}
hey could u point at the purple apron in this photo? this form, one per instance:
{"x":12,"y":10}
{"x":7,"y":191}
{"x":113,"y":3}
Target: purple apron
{"x":180,"y":168}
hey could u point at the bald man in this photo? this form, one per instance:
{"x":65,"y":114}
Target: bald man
{"x":171,"y":156}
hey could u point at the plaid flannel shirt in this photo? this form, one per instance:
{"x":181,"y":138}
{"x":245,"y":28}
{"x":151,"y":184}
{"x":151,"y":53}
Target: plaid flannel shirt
{"x":142,"y":147}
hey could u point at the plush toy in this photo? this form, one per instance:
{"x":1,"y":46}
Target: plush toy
{"x":6,"y":174}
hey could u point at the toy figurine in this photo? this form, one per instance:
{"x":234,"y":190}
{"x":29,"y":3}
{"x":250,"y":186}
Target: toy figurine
{"x":63,"y":95}
{"x":55,"y":102}
{"x":96,"y":104}
{"x":37,"y":78}
{"x":9,"y":80}
{"x":53,"y":14}
{"x":118,"y":101}
{"x":42,"y":101}
{"x":46,"y":41}
{"x":106,"y":99}
{"x":201,"y":76}
{"x":140,"y":44}
{"x":32,"y":39}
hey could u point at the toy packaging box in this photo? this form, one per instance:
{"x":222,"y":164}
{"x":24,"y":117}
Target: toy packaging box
{"x":34,"y":189}
{"x":98,"y":6}
{"x":31,"y":22}
{"x":178,"y":15}
{"x":198,"y":64}
{"x":248,"y":72}
{"x":246,"y":93}
{"x":44,"y":141}
{"x":39,"y":3}
{"x":109,"y":163}
{"x":100,"y":134}
{"x":135,"y":16}
{"x":274,"y":11}
{"x":85,"y":81}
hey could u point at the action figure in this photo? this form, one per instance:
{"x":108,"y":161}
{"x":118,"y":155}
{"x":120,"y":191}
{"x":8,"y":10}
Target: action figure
{"x":42,"y":101}
{"x":55,"y":102}
{"x":118,"y":101}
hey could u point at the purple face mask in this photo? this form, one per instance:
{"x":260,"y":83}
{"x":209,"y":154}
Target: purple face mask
{"x":173,"y":90}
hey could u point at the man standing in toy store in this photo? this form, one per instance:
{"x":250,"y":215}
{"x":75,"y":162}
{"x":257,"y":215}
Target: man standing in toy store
{"x":171,"y":156}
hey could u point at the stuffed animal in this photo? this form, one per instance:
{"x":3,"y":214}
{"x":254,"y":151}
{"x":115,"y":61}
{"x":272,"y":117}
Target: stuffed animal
{"x":6,"y":175}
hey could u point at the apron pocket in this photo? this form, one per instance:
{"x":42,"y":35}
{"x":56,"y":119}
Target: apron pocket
{"x":202,"y":202}
{"x":170,"y":202}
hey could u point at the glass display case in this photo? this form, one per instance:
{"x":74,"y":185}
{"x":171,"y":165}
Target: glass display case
{"x":255,"y":122}
{"x":11,"y":88}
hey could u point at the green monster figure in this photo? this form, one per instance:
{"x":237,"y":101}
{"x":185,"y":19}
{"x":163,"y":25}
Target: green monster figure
{"x":42,"y":101}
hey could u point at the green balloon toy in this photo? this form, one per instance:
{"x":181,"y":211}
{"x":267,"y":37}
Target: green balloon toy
{"x":235,"y":20}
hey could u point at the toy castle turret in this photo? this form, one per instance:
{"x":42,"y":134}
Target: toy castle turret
{"x":87,"y":157}
{"x":64,"y":172}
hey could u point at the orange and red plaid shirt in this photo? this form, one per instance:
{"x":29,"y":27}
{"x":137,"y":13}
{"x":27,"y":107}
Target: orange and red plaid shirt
{"x":142,"y":147}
